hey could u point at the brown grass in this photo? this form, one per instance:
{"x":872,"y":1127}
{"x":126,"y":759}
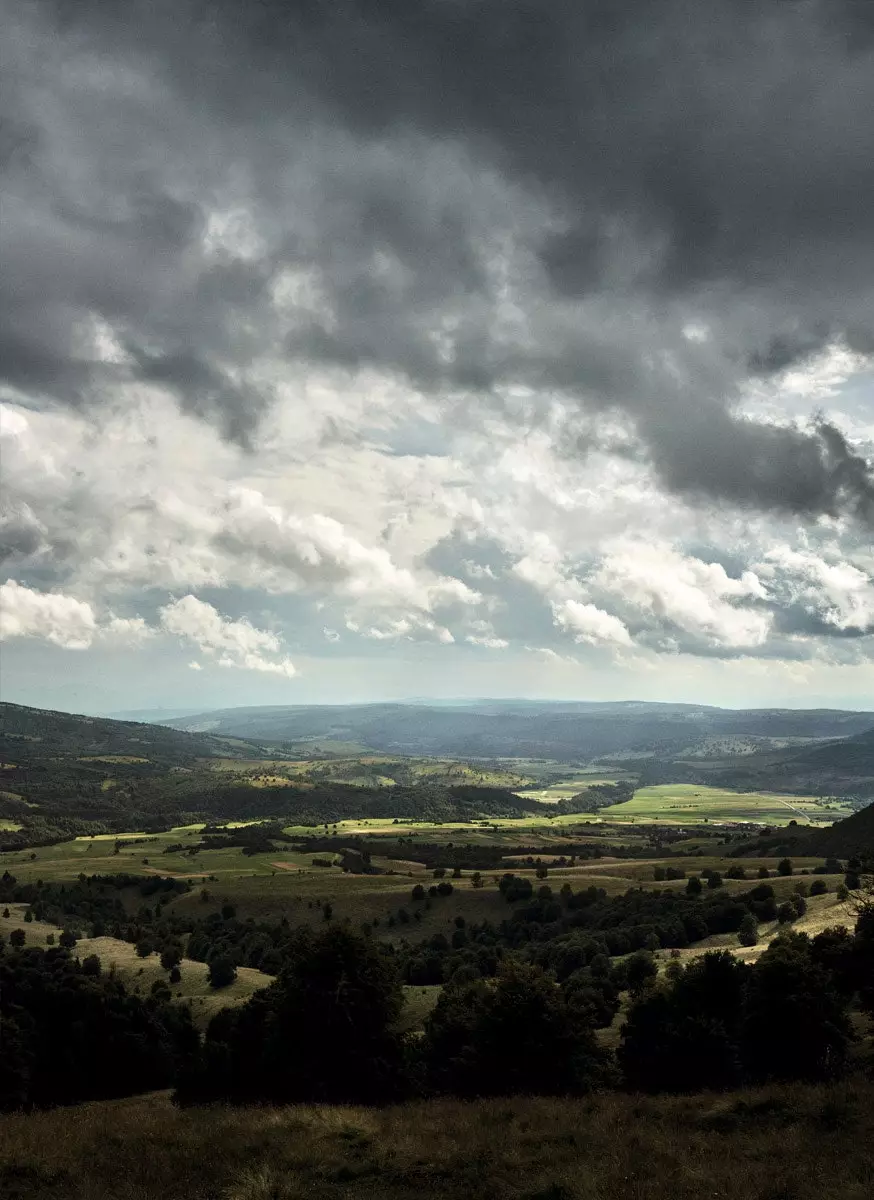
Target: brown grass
{"x":781,"y":1143}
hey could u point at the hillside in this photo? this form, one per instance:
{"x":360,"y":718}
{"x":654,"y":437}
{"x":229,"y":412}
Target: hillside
{"x":32,"y":735}
{"x":64,"y":775}
{"x":568,"y":732}
{"x":852,"y":836}
{"x":818,"y":752}
{"x":803,"y":1142}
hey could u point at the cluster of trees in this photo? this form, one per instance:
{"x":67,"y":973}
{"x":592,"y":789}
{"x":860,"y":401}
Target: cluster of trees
{"x":593,"y":799}
{"x":326,"y":1030}
{"x":516,"y":1014}
{"x":720,"y":1023}
{"x":93,"y":902}
{"x":71,"y":1033}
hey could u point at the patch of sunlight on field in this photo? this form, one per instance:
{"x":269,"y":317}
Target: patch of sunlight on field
{"x":138,"y":974}
{"x":112,"y":758}
{"x":691,"y":803}
{"x":138,"y":854}
{"x":823,"y":912}
{"x":419,"y":1002}
{"x":566,"y":788}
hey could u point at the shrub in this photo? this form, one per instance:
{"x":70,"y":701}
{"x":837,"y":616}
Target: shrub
{"x":748,"y":933}
{"x":222,"y":971}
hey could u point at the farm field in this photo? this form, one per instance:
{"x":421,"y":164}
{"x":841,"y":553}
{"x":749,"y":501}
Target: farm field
{"x":567,"y":787}
{"x":688,"y":804}
{"x":138,"y":854}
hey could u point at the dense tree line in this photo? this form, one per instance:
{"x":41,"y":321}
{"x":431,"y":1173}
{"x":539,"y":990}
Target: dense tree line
{"x":326,"y":1029}
{"x":510,"y":1019}
{"x":720,"y":1023}
{"x":70,"y":1033}
{"x":593,"y":799}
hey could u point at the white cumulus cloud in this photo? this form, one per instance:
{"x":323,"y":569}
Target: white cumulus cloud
{"x":590,"y":624}
{"x":62,"y":620}
{"x":231,"y":643}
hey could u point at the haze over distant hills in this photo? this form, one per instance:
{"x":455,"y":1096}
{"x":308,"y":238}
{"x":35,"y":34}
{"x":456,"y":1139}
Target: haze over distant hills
{"x":818,"y":750}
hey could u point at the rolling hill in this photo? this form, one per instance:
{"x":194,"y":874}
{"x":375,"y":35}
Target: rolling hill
{"x":566,"y":732}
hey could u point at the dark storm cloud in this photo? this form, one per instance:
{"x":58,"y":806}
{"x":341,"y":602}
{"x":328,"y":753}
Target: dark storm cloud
{"x":631,"y":167}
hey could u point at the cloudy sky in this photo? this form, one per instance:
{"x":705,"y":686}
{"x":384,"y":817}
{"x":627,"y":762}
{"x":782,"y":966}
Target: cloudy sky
{"x":388,"y":348}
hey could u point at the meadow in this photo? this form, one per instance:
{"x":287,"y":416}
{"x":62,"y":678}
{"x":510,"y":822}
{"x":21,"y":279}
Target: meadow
{"x":787,"y":1142}
{"x":692,"y":803}
{"x":138,"y":974}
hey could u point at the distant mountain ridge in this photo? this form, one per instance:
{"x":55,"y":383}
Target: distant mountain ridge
{"x":566,"y":732}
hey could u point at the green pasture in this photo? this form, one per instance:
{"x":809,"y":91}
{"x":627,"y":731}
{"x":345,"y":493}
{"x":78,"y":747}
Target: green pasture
{"x":566,"y":788}
{"x":97,"y":856}
{"x":691,"y":803}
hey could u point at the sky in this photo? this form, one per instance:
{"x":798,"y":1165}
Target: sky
{"x":379,"y":349}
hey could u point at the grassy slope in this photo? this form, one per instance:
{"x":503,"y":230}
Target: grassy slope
{"x":780,"y":1143}
{"x":140,"y":973}
{"x":855,"y":835}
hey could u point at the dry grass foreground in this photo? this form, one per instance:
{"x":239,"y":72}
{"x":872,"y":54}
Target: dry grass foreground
{"x":780,"y":1143}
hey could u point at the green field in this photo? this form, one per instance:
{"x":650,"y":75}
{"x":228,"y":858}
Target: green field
{"x":690,"y":803}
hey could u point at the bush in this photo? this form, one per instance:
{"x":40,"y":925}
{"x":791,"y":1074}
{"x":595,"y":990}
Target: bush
{"x":784,"y":866}
{"x":171,"y":956}
{"x":222,"y":971}
{"x":748,"y":933}
{"x":640,"y":968}
{"x":818,"y":888}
